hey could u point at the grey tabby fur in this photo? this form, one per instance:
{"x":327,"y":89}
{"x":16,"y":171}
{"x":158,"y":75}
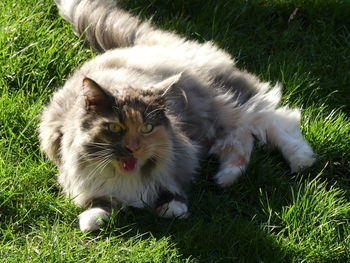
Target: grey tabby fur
{"x":206,"y":105}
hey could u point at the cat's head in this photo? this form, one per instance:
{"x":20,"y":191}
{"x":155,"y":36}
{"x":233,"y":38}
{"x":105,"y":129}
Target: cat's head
{"x":132,"y":132}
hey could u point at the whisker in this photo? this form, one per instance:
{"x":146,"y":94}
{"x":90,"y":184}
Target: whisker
{"x":95,"y":156}
{"x":100,"y":166}
{"x":159,"y":157}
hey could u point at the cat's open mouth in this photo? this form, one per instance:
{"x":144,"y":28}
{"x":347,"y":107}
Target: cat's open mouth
{"x":128,"y":164}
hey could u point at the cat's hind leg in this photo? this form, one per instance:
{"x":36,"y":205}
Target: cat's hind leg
{"x":234,"y":153}
{"x":280,"y":128}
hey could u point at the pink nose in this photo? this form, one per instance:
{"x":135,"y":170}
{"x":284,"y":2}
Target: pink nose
{"x":133,"y":144}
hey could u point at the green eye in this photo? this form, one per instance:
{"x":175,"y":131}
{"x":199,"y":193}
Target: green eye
{"x":146,"y":128}
{"x":115,"y":127}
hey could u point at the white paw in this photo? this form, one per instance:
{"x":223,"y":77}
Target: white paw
{"x":301,"y":159}
{"x":92,"y":219}
{"x":173,"y":209}
{"x":227,"y":176}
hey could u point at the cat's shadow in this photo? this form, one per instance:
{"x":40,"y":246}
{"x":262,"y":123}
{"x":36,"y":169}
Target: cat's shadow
{"x":213,"y":232}
{"x":224,"y":225}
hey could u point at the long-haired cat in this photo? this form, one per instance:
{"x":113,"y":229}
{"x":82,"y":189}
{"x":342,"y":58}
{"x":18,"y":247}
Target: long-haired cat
{"x":128,"y":128}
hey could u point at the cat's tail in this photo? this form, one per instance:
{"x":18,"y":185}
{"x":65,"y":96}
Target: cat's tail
{"x":105,"y":26}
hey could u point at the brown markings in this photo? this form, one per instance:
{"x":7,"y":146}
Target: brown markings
{"x":238,"y":153}
{"x":233,"y":155}
{"x":226,"y":151}
{"x":144,"y":145}
{"x":239,"y":161}
{"x":154,"y":144}
{"x":132,"y":115}
{"x":133,"y":121}
{"x":160,"y":140}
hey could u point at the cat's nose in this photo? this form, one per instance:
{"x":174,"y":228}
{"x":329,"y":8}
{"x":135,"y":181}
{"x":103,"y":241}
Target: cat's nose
{"x":133,"y":144}
{"x":133,"y":148}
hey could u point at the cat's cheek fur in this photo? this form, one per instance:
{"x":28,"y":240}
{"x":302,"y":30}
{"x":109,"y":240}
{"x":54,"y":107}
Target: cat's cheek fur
{"x":92,"y":219}
{"x":173,"y":209}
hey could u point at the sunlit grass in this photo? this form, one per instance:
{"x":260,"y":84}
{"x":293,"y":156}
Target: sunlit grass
{"x":268,"y":216}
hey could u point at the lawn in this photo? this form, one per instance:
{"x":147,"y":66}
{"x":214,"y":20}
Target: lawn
{"x":268,"y":216}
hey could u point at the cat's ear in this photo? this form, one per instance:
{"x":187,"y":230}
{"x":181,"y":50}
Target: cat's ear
{"x":166,"y":85}
{"x":95,"y":96}
{"x":171,"y":90}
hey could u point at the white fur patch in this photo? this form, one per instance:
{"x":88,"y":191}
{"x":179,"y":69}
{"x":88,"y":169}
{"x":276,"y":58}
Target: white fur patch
{"x":303,"y":158}
{"x":227,"y":176}
{"x":92,"y":219}
{"x":173,"y":209}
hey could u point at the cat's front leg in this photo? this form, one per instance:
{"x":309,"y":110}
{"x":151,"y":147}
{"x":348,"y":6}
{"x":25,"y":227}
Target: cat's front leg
{"x":96,"y":215}
{"x":93,"y":219}
{"x":171,"y":205}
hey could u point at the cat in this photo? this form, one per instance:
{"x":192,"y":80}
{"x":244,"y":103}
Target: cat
{"x":129,"y":127}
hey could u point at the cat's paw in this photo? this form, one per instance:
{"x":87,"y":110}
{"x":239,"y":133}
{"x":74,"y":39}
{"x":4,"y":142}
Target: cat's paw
{"x":227,"y":176}
{"x":301,"y":159}
{"x":173,"y":209}
{"x":92,"y":219}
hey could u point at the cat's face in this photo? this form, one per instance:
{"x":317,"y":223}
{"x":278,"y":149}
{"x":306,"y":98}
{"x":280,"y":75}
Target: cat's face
{"x":131,"y":133}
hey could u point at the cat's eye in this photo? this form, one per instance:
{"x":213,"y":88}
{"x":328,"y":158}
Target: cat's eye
{"x":146,"y":128}
{"x":115,"y":127}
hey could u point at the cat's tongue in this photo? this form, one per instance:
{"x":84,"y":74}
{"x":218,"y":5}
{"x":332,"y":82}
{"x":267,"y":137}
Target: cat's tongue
{"x":128,"y":164}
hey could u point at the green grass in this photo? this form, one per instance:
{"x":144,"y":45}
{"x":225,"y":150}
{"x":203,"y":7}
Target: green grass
{"x":268,"y":216}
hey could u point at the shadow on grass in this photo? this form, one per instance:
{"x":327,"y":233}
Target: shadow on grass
{"x":302,"y":44}
{"x":207,"y":235}
{"x":225,"y":225}
{"x":229,"y":225}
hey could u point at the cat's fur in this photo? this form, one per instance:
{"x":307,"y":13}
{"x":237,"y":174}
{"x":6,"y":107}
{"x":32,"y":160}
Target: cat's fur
{"x":194,"y":96}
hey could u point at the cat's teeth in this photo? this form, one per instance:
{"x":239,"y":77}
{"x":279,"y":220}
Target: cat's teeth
{"x":129,"y":164}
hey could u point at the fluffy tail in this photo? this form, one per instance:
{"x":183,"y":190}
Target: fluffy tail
{"x":105,"y":26}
